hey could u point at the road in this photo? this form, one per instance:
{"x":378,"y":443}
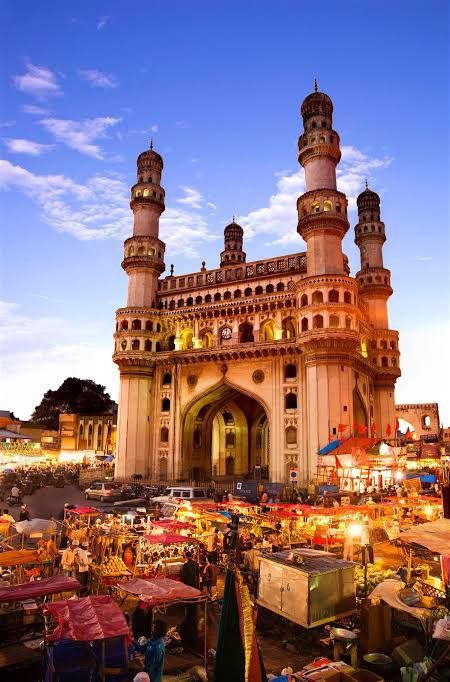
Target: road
{"x":49,"y":501}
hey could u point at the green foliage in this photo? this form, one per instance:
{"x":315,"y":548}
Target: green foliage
{"x":80,"y":396}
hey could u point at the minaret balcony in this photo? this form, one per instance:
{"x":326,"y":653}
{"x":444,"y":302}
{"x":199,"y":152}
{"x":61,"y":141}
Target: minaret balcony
{"x":322,"y":148}
{"x":329,"y":222}
{"x":156,"y":201}
{"x":374,"y":280}
{"x":143,"y":262}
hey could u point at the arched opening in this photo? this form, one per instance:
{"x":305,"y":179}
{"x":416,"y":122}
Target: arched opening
{"x":280,"y":286}
{"x":148,"y":345}
{"x":190,"y":301}
{"x":333,"y":296}
{"x":136,"y":324}
{"x":315,"y":207}
{"x":246,"y":333}
{"x":359,"y":410}
{"x":304,"y":301}
{"x":317,"y":322}
{"x":224,"y":433}
{"x":348,"y":322}
{"x":227,"y":295}
{"x":269,"y":289}
{"x":259,"y":291}
{"x":208,"y":298}
{"x":426,"y":421}
{"x":198,"y":300}
{"x":124,"y":325}
{"x":165,"y":405}
{"x":384,"y":361}
{"x":149,"y":326}
{"x":334,"y":321}
{"x":248,"y":292}
{"x":267,"y":332}
{"x":187,"y":339}
{"x":164,"y":435}
{"x":170,"y":342}
{"x":166,"y":379}
{"x":237,"y":294}
{"x":135,"y":345}
{"x":290,"y":401}
{"x":347,"y":297}
{"x":290,"y":371}
{"x":327,"y":206}
{"x":317,"y":297}
{"x":206,"y":338}
{"x":305,"y":324}
{"x":217,"y":296}
{"x":180,"y":303}
{"x":289,"y":328}
{"x":99,"y":437}
{"x":90,"y":437}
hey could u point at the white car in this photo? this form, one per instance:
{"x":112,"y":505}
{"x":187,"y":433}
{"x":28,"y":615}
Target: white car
{"x":104,"y":492}
{"x":183,"y":493}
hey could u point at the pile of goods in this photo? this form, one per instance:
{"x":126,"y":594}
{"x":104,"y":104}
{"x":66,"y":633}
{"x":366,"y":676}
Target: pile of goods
{"x":114,"y":565}
{"x":375,"y":576}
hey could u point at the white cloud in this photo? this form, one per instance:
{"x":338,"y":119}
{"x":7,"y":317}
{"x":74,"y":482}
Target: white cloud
{"x":101,"y":23}
{"x":182,"y":124}
{"x":81,"y":135}
{"x":192,"y":197}
{"x":98,"y":79}
{"x":38,"y":81}
{"x":50,"y":299}
{"x":279,"y":218}
{"x":44,"y":351}
{"x":144,"y":131}
{"x":34,"y":110}
{"x":20,"y":146}
{"x":211,"y":205}
{"x":79,"y":209}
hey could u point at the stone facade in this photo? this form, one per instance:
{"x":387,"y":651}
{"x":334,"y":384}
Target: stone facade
{"x":423,"y":417}
{"x":255,"y":363}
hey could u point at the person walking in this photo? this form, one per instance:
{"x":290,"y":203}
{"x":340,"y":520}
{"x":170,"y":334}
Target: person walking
{"x":212,"y":545}
{"x":24,"y":513}
{"x":154,"y":652}
{"x":81,"y":560}
{"x":68,"y":561}
{"x":366,"y":544}
{"x":210,"y":574}
{"x":190,"y":574}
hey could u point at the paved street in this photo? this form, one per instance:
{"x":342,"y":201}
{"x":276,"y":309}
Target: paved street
{"x":48,"y":501}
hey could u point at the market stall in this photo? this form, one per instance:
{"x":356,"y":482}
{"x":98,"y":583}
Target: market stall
{"x":86,"y":638}
{"x":162,"y":554}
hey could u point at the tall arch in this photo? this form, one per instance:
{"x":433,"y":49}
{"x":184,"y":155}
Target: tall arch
{"x":359,"y":409}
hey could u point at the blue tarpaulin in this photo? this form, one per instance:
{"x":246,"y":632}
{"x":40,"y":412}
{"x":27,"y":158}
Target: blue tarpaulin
{"x":330,"y":447}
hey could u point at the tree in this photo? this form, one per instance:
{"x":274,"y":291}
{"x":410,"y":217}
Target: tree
{"x":81,"y":396}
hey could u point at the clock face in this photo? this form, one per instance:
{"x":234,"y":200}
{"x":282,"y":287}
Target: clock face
{"x":226,"y":333}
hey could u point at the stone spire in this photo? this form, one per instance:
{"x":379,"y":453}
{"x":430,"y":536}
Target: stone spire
{"x":233,"y":245}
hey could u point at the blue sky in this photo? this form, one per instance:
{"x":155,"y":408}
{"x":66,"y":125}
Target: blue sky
{"x":218,"y":85}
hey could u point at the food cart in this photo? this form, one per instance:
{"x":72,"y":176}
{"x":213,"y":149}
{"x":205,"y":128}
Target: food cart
{"x":306,"y":586}
{"x":162,"y":554}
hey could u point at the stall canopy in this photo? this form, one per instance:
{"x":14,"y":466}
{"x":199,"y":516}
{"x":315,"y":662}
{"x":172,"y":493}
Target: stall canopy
{"x":434,"y":535}
{"x":18,"y":557}
{"x":87,"y":619}
{"x":160,"y":590}
{"x":173,"y":524}
{"x":45,"y":526}
{"x":38,"y":588}
{"x":83,"y":510}
{"x":168,"y":539}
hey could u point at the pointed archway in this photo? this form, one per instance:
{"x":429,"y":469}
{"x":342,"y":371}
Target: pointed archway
{"x":225,"y":433}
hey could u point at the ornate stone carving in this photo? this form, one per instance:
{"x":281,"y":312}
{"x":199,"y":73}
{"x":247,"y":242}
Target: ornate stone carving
{"x":258,"y":376}
{"x":192,"y":380}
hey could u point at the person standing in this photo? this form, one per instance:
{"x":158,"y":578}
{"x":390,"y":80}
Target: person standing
{"x":366,"y":544}
{"x":24,"y":513}
{"x":68,"y":561}
{"x":154,"y":652}
{"x":15,"y":492}
{"x":212,"y":545}
{"x":190,"y":573}
{"x":210,"y":577}
{"x":81,"y":560}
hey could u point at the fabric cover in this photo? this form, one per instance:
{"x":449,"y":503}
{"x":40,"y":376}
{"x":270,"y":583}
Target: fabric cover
{"x":87,"y":619}
{"x":38,"y":588}
{"x":159,"y":590}
{"x":18,"y":557}
{"x":169,"y":539}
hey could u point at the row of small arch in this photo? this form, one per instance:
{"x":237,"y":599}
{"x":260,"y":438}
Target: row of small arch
{"x":317,"y":297}
{"x":137,"y":325}
{"x":142,"y":251}
{"x":322,"y":139}
{"x":385,"y":362}
{"x":146,"y":193}
{"x":373,"y":228}
{"x":318,"y":206}
{"x":370,"y":279}
{"x":228,"y":295}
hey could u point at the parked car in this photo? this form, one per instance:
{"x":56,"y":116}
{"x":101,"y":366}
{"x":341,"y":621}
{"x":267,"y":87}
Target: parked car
{"x":104,"y":492}
{"x":181,"y":492}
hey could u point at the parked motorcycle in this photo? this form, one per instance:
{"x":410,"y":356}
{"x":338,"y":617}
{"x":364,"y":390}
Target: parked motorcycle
{"x":12,"y":501}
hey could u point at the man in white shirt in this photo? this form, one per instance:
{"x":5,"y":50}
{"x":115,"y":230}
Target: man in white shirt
{"x":81,"y":560}
{"x":15,"y":492}
{"x":68,"y":561}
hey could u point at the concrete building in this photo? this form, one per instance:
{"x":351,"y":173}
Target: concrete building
{"x":422,"y":419}
{"x":260,"y":362}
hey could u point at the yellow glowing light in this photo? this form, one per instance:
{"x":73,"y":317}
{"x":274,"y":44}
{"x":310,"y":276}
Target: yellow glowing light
{"x":354,"y":530}
{"x":399,"y":475}
{"x":428,"y":510}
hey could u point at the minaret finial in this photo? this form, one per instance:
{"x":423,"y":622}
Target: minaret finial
{"x":151,"y":143}
{"x":367,"y":184}
{"x":233,"y":218}
{"x":315,"y":85}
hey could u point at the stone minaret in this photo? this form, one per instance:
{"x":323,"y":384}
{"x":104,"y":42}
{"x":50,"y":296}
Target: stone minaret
{"x":233,"y":241}
{"x":374,"y":280}
{"x":322,"y":210}
{"x":138,"y":327}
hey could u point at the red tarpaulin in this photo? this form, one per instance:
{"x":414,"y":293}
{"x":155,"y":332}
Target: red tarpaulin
{"x":38,"y":588}
{"x":84,"y":620}
{"x":83,"y":510}
{"x":169,"y":539}
{"x":173,"y":524}
{"x":160,"y":590}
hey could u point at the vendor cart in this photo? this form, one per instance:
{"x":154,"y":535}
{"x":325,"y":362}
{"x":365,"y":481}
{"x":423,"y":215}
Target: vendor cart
{"x":306,"y":586}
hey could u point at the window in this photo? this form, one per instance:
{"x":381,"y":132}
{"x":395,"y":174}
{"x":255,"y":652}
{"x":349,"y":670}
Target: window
{"x":165,"y":405}
{"x":338,"y":208}
{"x":322,"y":140}
{"x":217,"y":296}
{"x":171,"y":343}
{"x":426,"y":421}
{"x":199,"y":493}
{"x":166,"y":379}
{"x":327,"y":206}
{"x":124,"y":325}
{"x":384,"y":344}
{"x":305,"y":324}
{"x":291,"y":435}
{"x":172,"y":304}
{"x":393,"y":345}
{"x":290,"y":401}
{"x":317,"y":322}
{"x":304,"y":301}
{"x":290,"y":371}
{"x":148,"y":344}
{"x":123,"y":344}
{"x":164,"y":434}
{"x":347,"y":297}
{"x":227,"y":295}
{"x":237,"y":294}
{"x":158,"y":346}
{"x":198,"y":300}
{"x":317,"y":297}
{"x":180,"y":303}
{"x":269,"y":289}
{"x":208,"y":298}
{"x":248,"y":292}
{"x":136,"y":324}
{"x":135,"y":345}
{"x":149,"y":326}
{"x":246,"y":333}
{"x":190,"y":301}
{"x":334,"y":321}
{"x":394,"y":362}
{"x":259,"y":291}
{"x":384,"y":362}
{"x":289,"y":328}
{"x":315,"y":207}
{"x":158,"y":327}
{"x":333,"y":296}
{"x":90,"y":436}
{"x":268,"y":331}
{"x":348,"y":322}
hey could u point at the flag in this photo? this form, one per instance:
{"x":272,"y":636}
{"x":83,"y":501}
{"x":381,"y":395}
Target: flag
{"x":362,"y":429}
{"x":397,"y":426}
{"x":341,"y":428}
{"x":373,"y":429}
{"x":237,"y":653}
{"x":388,"y":430}
{"x":408,"y":434}
{"x":355,"y":426}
